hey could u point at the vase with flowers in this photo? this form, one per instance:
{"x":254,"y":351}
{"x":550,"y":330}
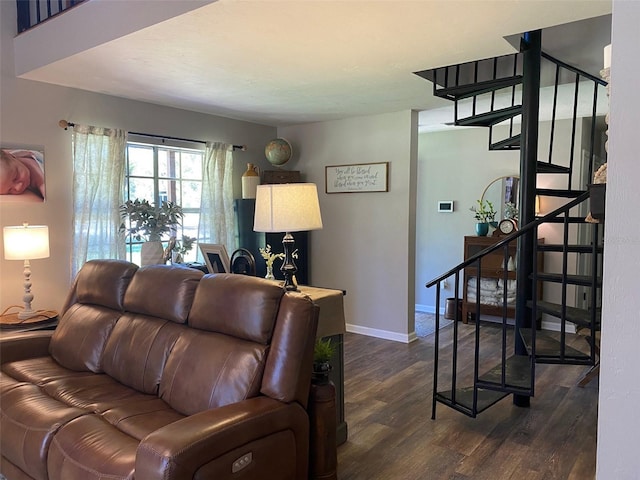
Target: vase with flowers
{"x":269,"y":258}
{"x":485,"y":215}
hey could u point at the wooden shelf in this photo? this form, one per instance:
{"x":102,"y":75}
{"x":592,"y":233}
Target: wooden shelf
{"x":491,"y":267}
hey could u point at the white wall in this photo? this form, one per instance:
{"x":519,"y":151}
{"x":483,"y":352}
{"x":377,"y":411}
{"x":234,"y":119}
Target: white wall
{"x":29,"y":116}
{"x":618,"y":419}
{"x":452,"y":165}
{"x":367,"y":245}
{"x":457,"y":165}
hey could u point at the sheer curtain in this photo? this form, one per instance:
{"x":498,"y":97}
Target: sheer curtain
{"x":217,"y":217}
{"x":98,"y":191}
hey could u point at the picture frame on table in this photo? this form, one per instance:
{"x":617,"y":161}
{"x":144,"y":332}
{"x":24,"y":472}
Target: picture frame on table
{"x":215,"y":257}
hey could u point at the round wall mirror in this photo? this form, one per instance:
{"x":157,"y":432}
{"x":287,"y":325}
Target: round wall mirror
{"x":503,"y":194}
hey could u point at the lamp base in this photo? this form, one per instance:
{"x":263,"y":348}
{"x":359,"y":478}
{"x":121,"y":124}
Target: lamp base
{"x":289,"y":268}
{"x":26,"y":314}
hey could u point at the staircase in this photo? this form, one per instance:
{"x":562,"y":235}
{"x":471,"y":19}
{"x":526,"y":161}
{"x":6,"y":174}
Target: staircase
{"x":502,"y":94}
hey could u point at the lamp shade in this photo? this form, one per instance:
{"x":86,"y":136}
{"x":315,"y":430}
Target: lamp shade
{"x":287,"y":207}
{"x":26,"y":242}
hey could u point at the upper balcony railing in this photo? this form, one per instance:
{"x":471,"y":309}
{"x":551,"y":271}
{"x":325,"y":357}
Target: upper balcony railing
{"x":33,"y":12}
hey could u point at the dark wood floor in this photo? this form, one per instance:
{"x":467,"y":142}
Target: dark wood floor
{"x":392,"y":437}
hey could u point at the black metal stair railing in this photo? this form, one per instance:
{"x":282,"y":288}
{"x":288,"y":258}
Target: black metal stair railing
{"x":515,"y":374}
{"x":579,"y":81}
{"x":32,"y":12}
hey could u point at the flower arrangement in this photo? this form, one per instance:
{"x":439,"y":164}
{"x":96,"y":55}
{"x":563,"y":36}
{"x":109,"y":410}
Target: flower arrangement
{"x":269,"y":256}
{"x":148,"y":220}
{"x":510,"y":211}
{"x":484,"y":211}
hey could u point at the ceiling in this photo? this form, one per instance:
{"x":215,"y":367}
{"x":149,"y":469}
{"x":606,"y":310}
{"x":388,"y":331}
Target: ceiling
{"x":287,"y":62}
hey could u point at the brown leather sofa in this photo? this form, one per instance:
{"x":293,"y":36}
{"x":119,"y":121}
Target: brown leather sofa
{"x":161,"y":373}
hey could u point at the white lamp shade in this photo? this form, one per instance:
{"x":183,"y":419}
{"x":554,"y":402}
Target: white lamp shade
{"x":287,"y":207}
{"x":26,"y":242}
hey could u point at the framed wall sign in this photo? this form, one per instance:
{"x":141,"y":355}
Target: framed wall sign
{"x":362,"y":177}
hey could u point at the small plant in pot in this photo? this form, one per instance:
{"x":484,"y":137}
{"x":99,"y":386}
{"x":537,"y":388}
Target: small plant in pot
{"x":322,"y":353}
{"x":485,"y":215}
{"x":144,"y":220}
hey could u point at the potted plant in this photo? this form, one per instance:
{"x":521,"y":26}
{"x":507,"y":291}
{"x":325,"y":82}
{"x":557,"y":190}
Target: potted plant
{"x":144,"y":220}
{"x":177,"y":249}
{"x":322,"y":354}
{"x":485,"y":214}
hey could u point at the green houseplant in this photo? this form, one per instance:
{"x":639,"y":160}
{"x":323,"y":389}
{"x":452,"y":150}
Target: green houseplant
{"x":149,"y":221}
{"x":144,"y":220}
{"x":485,"y":214}
{"x":322,"y":354}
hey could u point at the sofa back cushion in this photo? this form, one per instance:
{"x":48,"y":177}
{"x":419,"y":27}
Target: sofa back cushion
{"x":137,"y":351}
{"x":221,"y":358}
{"x":93,"y":306}
{"x":158,"y":299}
{"x":207,"y":370}
{"x":238,"y":305}
{"x":162,"y":291}
{"x":287,"y":373}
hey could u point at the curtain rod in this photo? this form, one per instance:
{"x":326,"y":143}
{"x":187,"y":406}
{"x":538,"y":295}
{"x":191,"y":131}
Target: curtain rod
{"x":64,"y":124}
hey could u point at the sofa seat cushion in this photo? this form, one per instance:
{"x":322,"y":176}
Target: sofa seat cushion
{"x":94,"y":393}
{"x":139,"y":419}
{"x":208,"y":370}
{"x":39,"y":370}
{"x":29,"y":420}
{"x":89,"y":448}
{"x":7,"y":382}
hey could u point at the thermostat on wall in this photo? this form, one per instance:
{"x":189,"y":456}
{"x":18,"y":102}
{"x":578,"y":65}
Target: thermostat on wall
{"x":445,"y":206}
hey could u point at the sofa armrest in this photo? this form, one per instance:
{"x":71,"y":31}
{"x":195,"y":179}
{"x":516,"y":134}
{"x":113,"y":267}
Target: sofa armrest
{"x":20,"y":346}
{"x":274,"y":434}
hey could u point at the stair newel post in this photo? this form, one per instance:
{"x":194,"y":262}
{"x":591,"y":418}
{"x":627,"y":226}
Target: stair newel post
{"x":532,"y":43}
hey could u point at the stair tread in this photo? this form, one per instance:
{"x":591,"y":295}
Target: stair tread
{"x":490,"y":118}
{"x":478,"y":88}
{"x":546,"y":167}
{"x":464,"y":399}
{"x":511,"y":143}
{"x":517,"y":376}
{"x":550,"y":247}
{"x":551,"y":192}
{"x":579,"y":316}
{"x":584,"y":280}
{"x":571,"y":220}
{"x":548,"y":348}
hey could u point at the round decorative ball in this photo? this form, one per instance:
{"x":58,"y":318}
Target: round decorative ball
{"x":278,"y":152}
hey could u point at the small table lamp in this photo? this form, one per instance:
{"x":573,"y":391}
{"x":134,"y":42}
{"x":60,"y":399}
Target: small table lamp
{"x":287,"y":207}
{"x":27,"y":242}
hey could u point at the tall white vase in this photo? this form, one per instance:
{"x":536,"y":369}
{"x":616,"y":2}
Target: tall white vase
{"x":151,"y":253}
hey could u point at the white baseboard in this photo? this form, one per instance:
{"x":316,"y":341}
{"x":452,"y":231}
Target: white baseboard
{"x":428,"y":309}
{"x":384,"y":334}
{"x":555,"y":326}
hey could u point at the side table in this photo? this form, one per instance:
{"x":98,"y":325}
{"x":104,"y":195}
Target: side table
{"x":10,"y":323}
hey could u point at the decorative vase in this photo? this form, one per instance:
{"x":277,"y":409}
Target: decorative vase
{"x":482,"y":229}
{"x":250,"y":181}
{"x":269,"y":275}
{"x":151,"y":253}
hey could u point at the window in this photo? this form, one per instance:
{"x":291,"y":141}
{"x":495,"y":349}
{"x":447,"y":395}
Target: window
{"x":162,"y":172}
